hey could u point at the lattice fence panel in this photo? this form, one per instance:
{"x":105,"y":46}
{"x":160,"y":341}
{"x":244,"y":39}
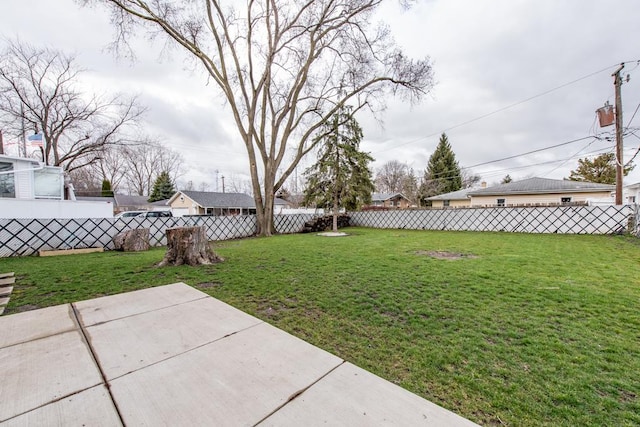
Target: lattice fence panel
{"x":290,"y":224}
{"x":19,"y":237}
{"x":556,"y":219}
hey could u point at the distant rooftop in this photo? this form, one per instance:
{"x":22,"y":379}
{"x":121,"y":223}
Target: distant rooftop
{"x":542,"y":185}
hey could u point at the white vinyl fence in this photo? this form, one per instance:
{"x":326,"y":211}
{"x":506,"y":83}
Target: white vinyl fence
{"x":20,"y":237}
{"x":555,"y":219}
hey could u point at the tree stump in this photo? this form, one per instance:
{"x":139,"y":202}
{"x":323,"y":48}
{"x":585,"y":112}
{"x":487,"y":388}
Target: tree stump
{"x":188,"y":245}
{"x":132,"y":240}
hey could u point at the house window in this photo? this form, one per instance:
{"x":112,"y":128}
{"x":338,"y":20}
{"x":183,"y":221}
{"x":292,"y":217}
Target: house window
{"x":7,"y":181}
{"x":500,"y":202}
{"x":565,"y":200}
{"x":48,"y":184}
{"x":445,"y":203}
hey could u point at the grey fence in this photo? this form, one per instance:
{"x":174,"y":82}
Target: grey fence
{"x":19,"y":237}
{"x":556,"y":219}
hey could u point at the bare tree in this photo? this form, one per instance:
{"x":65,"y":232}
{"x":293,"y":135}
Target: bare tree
{"x":283,"y":67}
{"x":38,"y":89}
{"x":469,"y":179}
{"x":86,"y":182}
{"x":112,"y":166}
{"x":144,"y":162}
{"x":410,"y":187}
{"x":391,"y":176}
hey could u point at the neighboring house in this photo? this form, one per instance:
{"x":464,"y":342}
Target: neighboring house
{"x":396,"y":200}
{"x":132,"y":203}
{"x":211,"y":203}
{"x":455,"y":199}
{"x":30,"y":189}
{"x":631,"y":193}
{"x":530,"y":192}
{"x":543,"y":192}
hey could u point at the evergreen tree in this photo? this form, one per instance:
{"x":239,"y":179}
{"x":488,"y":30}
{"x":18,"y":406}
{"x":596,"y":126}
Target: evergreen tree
{"x":341,"y":176}
{"x":601,"y":169}
{"x":106,"y":188}
{"x":443,"y":172}
{"x":162,"y":188}
{"x":507,"y":179}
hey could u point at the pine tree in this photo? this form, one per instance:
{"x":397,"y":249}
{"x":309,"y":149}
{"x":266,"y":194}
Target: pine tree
{"x":106,"y":188}
{"x":601,"y":169}
{"x":341,"y":177}
{"x":162,"y":188}
{"x":443,"y":172}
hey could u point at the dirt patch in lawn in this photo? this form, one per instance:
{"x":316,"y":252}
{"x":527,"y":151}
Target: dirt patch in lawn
{"x":445,"y":255}
{"x":207,"y":285}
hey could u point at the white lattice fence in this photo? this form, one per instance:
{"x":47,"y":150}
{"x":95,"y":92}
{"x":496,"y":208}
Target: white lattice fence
{"x":20,"y":237}
{"x":557,"y":219}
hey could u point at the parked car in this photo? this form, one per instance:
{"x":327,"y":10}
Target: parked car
{"x":129,"y":214}
{"x":155,"y":214}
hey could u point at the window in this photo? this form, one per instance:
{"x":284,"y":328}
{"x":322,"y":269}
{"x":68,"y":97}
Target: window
{"x":565,"y":200}
{"x":445,"y":203}
{"x":500,"y":202}
{"x":48,"y":183}
{"x":7,"y":181}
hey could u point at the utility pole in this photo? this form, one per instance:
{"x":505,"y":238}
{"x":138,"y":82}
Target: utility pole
{"x":23,"y":133}
{"x":223,"y":183}
{"x":1,"y":143}
{"x":619,"y":160}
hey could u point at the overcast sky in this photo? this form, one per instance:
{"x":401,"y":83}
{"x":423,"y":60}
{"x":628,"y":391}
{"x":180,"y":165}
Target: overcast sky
{"x":512,"y":76}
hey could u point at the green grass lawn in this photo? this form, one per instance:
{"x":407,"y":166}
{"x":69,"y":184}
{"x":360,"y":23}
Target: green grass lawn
{"x":528,"y":330}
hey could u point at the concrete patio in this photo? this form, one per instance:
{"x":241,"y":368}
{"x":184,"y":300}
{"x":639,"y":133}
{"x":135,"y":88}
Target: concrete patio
{"x":173,"y":355}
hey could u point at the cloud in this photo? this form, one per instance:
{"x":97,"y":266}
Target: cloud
{"x":486,"y":56}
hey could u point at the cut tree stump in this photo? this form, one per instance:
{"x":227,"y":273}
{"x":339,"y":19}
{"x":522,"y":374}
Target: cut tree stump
{"x":132,"y":240}
{"x":188,"y":245}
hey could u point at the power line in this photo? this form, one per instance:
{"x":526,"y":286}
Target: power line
{"x":515,"y":104}
{"x":451,"y":173}
{"x":530,"y":152}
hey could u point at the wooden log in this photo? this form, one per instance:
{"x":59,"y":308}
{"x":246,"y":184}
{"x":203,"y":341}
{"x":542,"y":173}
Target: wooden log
{"x":132,"y":240}
{"x":59,"y":252}
{"x":188,"y":245}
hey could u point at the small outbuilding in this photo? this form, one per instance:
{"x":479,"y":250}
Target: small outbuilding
{"x":211,"y":203}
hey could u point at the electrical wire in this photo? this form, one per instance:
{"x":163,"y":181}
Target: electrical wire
{"x":530,"y":152}
{"x":499,"y":110}
{"x":571,"y":158}
{"x":632,"y":116}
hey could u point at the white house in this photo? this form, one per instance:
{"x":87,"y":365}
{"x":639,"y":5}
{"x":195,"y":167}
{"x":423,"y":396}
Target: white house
{"x":29,"y":189}
{"x":631,"y":193}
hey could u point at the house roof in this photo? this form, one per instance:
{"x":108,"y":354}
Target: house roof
{"x":95,"y":199}
{"x":542,"y":186}
{"x":14,"y":158}
{"x":208,"y":199}
{"x":454,"y":195}
{"x":381,"y":197}
{"x":126,"y":200}
{"x":633,"y":186}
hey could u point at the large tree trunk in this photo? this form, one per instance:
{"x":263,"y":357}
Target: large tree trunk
{"x":188,"y":245}
{"x":132,"y":240}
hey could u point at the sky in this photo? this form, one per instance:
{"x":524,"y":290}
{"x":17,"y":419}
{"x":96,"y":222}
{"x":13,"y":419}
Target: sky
{"x":512,"y":77}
